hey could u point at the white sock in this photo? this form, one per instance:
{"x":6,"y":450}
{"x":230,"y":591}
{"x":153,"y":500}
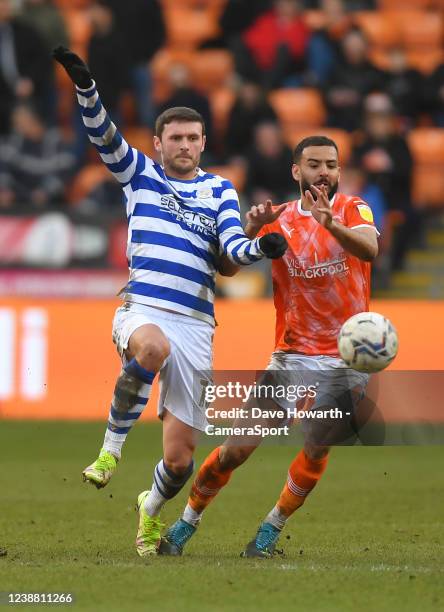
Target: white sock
{"x":191,"y":516}
{"x":276,"y":518}
{"x":166,"y":485}
{"x":154,"y":502}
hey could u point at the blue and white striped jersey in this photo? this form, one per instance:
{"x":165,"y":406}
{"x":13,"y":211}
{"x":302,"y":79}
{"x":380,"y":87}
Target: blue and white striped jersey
{"x":176,"y":228}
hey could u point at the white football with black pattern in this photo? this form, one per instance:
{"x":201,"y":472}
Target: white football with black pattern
{"x":368,"y":342}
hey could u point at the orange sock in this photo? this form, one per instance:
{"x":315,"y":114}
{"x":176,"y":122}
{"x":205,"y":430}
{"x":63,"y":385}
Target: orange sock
{"x":303,"y":476}
{"x":208,"y":482}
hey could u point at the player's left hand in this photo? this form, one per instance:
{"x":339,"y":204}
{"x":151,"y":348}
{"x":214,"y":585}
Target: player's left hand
{"x":75,"y":67}
{"x":320,"y":208}
{"x":263,"y":214}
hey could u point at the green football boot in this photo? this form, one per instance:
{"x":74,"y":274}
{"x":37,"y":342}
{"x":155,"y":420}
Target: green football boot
{"x":148,"y":534}
{"x":99,"y":473}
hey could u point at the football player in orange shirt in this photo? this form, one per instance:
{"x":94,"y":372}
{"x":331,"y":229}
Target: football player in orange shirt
{"x":321,"y":281}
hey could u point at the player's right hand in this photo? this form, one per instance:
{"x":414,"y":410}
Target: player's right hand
{"x":273,"y":245}
{"x":76,"y":68}
{"x":264,"y":214}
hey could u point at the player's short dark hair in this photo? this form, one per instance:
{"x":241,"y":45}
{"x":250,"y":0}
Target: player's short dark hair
{"x":312,"y":141}
{"x":178,"y":113}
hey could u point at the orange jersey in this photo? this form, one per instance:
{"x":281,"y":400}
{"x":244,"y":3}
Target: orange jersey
{"x":317,"y":286}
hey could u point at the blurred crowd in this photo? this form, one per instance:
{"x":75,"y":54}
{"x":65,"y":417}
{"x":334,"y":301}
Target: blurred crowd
{"x":263,"y":74}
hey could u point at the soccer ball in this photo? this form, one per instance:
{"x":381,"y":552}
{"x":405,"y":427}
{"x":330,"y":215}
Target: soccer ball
{"x":368,"y":342}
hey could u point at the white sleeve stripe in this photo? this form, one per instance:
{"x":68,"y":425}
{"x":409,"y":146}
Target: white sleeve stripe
{"x":88,"y":102}
{"x":107,"y":137}
{"x":125,"y":177}
{"x":365,"y":225}
{"x":118,"y":155}
{"x":95,"y":122}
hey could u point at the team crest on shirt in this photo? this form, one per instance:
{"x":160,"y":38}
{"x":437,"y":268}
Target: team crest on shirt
{"x":204,"y":192}
{"x":365,"y":212}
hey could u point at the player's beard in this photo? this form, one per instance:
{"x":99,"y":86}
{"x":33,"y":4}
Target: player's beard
{"x":179,"y":168}
{"x":305,"y":186}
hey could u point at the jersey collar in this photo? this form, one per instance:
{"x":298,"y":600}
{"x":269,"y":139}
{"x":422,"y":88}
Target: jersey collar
{"x":307,"y":213}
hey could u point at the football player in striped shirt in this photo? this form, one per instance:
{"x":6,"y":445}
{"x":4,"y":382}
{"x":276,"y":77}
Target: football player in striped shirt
{"x":181,"y":221}
{"x":321,"y":281}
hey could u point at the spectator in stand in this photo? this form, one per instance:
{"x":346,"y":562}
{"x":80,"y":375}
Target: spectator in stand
{"x":249,"y":109}
{"x":325,"y":44}
{"x":350,"y":81}
{"x":142,"y":26}
{"x":355,"y":181}
{"x":26,"y":71}
{"x":271,"y":52}
{"x":185,"y":94}
{"x":236,"y":17}
{"x":35,"y":164}
{"x":435,"y":95}
{"x":45,"y":17}
{"x":108,"y":58}
{"x":405,"y":86}
{"x":385,"y":156}
{"x":269,"y":177}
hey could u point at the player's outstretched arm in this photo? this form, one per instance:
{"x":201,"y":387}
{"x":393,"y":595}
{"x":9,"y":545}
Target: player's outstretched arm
{"x":257,"y":217}
{"x":115,"y":152}
{"x":261,"y":215}
{"x":236,"y":245}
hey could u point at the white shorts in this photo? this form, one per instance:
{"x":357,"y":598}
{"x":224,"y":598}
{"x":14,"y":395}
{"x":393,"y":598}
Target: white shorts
{"x":336,"y":386}
{"x":187,"y":369}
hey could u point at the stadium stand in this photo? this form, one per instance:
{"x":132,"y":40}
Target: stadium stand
{"x":195,"y":37}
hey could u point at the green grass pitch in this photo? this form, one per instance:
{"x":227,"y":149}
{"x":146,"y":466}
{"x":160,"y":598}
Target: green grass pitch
{"x":370,"y":537}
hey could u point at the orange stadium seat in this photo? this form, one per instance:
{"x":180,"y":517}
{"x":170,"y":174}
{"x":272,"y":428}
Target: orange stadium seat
{"x":380,"y":57}
{"x":86,"y":180}
{"x":187,"y":27}
{"x":72,"y":4}
{"x":303,"y":107}
{"x":215,"y":6}
{"x":221,"y":103}
{"x":79,"y":30}
{"x":211,"y":69}
{"x":420,"y":29}
{"x":381,"y":28}
{"x":140,"y":138}
{"x":427,"y":145}
{"x":425,"y":60}
{"x":411,"y":4}
{"x":160,"y":66}
{"x":234,"y":173}
{"x":341,"y":137}
{"x":428,"y":186}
